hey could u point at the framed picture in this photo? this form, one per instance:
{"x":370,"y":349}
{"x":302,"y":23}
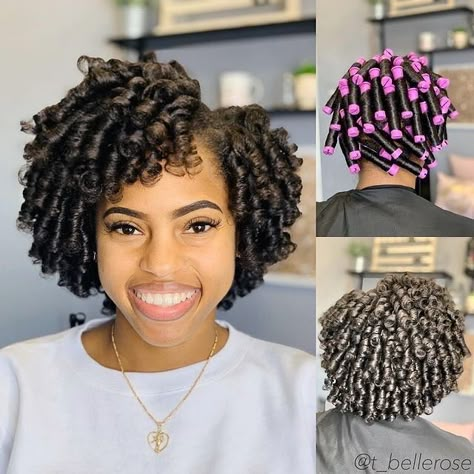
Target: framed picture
{"x":403,"y":254}
{"x":406,"y":7}
{"x":300,"y":267}
{"x":466,"y":381}
{"x":461,"y":91}
{"x":182,"y":16}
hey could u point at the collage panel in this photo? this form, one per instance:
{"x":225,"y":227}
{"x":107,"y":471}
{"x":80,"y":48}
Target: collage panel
{"x":159,"y":255}
{"x":395,"y":125}
{"x":395,"y":237}
{"x":395,"y":390}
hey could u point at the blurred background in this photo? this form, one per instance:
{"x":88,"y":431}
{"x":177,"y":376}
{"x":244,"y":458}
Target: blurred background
{"x":442,"y":30}
{"x":358,"y":263}
{"x":241,"y":52}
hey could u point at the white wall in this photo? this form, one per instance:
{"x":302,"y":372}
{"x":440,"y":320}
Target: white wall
{"x":341,"y":39}
{"x":41,"y":42}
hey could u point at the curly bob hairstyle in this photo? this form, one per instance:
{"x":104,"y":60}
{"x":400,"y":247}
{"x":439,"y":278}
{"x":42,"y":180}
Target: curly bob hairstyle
{"x":394,"y":351}
{"x":133,"y":120}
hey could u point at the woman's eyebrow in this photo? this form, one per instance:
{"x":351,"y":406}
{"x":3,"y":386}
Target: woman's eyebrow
{"x":194,"y":206}
{"x":124,"y":210}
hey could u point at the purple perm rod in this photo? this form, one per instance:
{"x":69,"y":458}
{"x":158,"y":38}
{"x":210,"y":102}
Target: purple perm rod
{"x":380,"y":115}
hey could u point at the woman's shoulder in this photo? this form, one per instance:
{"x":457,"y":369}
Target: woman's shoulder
{"x":290,"y":357}
{"x":37,"y":343}
{"x":274,"y":360}
{"x":266,"y":348}
{"x":31,"y":352}
{"x":275,"y":368}
{"x":38,"y":351}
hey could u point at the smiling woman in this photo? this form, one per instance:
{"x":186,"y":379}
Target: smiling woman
{"x":135,"y":189}
{"x":167,"y":256}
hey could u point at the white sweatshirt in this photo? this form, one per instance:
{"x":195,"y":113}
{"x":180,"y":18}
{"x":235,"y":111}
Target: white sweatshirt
{"x":253,"y":412}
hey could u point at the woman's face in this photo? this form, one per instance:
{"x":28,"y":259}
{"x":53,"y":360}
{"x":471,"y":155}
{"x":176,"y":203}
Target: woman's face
{"x":166,"y":253}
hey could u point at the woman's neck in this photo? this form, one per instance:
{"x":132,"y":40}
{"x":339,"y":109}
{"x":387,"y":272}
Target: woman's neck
{"x":137,"y":355}
{"x":371,"y":175}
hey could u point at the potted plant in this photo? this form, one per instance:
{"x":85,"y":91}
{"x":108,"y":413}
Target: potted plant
{"x":304,"y":81}
{"x":136,"y":17}
{"x":360,"y":251}
{"x":460,"y":38}
{"x":378,"y":8}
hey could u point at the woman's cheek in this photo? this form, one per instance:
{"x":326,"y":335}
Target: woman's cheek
{"x":216,"y":265}
{"x":115,"y":267}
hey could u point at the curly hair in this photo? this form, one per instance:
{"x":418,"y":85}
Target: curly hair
{"x":387,"y":109}
{"x":394,"y":351}
{"x":131,"y":120}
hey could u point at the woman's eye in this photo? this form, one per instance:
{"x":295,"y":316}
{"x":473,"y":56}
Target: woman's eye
{"x":123,"y":229}
{"x":200,"y":227}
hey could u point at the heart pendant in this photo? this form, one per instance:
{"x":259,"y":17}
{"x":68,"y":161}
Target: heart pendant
{"x":158,"y":440}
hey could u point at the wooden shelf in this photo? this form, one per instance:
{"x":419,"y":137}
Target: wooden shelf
{"x":446,"y":50}
{"x":434,"y":275}
{"x":154,"y":42}
{"x":431,"y":275}
{"x":417,"y":15}
{"x":430,"y":54}
{"x":289,"y":280}
{"x":282,"y":111}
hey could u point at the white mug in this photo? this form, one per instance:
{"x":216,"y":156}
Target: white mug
{"x":239,"y":88}
{"x":426,"y":41}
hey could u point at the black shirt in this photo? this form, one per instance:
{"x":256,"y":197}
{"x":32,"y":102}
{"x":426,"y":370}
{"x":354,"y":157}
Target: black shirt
{"x":346,"y":444}
{"x":387,"y":210}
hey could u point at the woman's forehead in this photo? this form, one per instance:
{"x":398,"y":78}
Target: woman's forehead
{"x":172,"y":190}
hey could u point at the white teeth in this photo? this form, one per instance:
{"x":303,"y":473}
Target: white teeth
{"x":165,"y":299}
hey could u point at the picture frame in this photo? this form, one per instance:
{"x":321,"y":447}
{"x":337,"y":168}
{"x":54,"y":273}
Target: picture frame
{"x":299,"y":268}
{"x":407,"y":7}
{"x":403,"y":254}
{"x":185,"y":16}
{"x":461,"y":91}
{"x":466,"y":381}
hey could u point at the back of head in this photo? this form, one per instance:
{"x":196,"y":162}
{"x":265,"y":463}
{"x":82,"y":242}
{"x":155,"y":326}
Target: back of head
{"x":390,"y":111}
{"x":394,"y":351}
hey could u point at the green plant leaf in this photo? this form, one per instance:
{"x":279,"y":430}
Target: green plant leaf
{"x":305,"y":68}
{"x":358,"y":249}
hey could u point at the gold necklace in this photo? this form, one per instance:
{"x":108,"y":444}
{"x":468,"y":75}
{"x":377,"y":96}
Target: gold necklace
{"x":159,"y":439}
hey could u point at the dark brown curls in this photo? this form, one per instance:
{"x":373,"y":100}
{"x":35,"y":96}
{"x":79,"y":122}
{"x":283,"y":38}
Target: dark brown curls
{"x":394,"y":351}
{"x":130,"y":121}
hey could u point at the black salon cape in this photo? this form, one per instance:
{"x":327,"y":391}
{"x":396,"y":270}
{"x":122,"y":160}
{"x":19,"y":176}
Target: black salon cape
{"x":346,"y":444}
{"x":387,"y":210}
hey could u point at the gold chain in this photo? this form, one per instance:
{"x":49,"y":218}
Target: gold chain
{"x":158,"y":440}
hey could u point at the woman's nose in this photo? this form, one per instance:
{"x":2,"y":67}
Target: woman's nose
{"x":163,"y":256}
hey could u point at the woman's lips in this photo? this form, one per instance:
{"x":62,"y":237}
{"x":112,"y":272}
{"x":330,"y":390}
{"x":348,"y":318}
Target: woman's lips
{"x":164,"y":313}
